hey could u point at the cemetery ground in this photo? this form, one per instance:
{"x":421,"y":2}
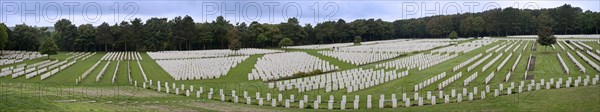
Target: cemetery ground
{"x":59,"y":92}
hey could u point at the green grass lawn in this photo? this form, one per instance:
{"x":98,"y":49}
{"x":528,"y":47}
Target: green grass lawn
{"x":547,"y":66}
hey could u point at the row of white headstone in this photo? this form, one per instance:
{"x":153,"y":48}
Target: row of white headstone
{"x":429,"y":81}
{"x":586,"y":59}
{"x":470,"y":79}
{"x":400,"y":46}
{"x":479,"y":62}
{"x":87,"y":72}
{"x":465,"y":47}
{"x":504,"y":62}
{"x":321,"y":46}
{"x":122,"y":56}
{"x":420,"y":61}
{"x":560,"y":45}
{"x":40,"y":67}
{"x":359,"y":58}
{"x":75,"y":56}
{"x":10,"y":57}
{"x":519,"y":45}
{"x":194,"y":54}
{"x":489,"y":78}
{"x":581,"y":68}
{"x":465,"y":63}
{"x":577,"y":45}
{"x":449,"y":80}
{"x":490,"y":63}
{"x":562,"y":62}
{"x":516,"y":62}
{"x":281,"y":65}
{"x":37,"y":70}
{"x":102,"y":71}
{"x":205,"y":68}
{"x":507,"y":77}
{"x":492,"y":48}
{"x":568,"y":45}
{"x":22,"y":55}
{"x":351,"y":80}
{"x":585,"y":45}
{"x":142,"y":71}
{"x":453,"y":96}
{"x":114,"y":79}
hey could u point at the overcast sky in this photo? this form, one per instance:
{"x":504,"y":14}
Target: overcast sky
{"x":45,"y":13}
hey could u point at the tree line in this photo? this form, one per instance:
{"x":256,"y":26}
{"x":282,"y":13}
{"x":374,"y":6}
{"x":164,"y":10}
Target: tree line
{"x":183,"y":33}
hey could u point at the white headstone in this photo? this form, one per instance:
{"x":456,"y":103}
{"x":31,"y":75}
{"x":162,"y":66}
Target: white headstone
{"x":356,"y":101}
{"x":279,"y":97}
{"x":446,"y":99}
{"x":197,"y":94}
{"x":496,"y":92}
{"x":471,"y":96}
{"x":369,"y":102}
{"x":260,"y":101}
{"x":433,"y":98}
{"x":343,"y":105}
{"x":406,"y":102}
{"x":301,"y":104}
{"x":416,"y":96}
{"x":482,"y":94}
{"x":248,"y":100}
{"x":235,"y":99}
{"x":459,"y":97}
{"x":330,"y":104}
{"x":420,"y":103}
{"x":187,"y":92}
{"x":428,"y":95}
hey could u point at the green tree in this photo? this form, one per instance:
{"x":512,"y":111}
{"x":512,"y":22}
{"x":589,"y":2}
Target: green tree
{"x":204,"y":34}
{"x":87,"y":36}
{"x":472,"y":25}
{"x":286,"y":42}
{"x":439,"y":26}
{"x":292,"y":29}
{"x":136,"y":33}
{"x":104,"y":36}
{"x":25,"y":37}
{"x":49,"y":47}
{"x":67,"y":34}
{"x":3,"y":37}
{"x":453,"y":35}
{"x":233,"y":38}
{"x":357,"y":40}
{"x":155,"y":33}
{"x":220,"y":29}
{"x":545,"y":35}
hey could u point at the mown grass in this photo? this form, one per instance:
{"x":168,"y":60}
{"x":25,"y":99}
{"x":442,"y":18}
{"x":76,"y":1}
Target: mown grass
{"x":547,"y":66}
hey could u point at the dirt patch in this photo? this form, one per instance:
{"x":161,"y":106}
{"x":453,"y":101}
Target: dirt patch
{"x":111,"y":91}
{"x":228,"y":107}
{"x":532,"y":64}
{"x":166,"y":108}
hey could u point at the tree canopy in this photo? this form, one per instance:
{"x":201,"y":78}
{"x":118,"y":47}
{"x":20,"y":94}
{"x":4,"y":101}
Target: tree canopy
{"x":49,"y":47}
{"x":183,"y":33}
{"x":286,"y":42}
